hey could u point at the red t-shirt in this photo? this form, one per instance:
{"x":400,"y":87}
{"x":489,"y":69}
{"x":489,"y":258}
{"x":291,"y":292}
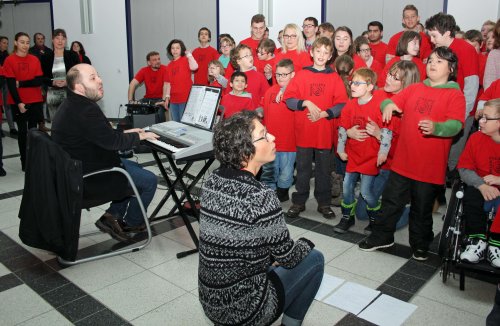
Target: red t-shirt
{"x":419,"y":157}
{"x":378,"y":69}
{"x":257,"y":86}
{"x":468,"y":62}
{"x":323,"y":88}
{"x":358,"y":62}
{"x":153,"y":80}
{"x":260,"y":64}
{"x":378,"y":52}
{"x":279,"y":120}
{"x":362,"y":155}
{"x":491,"y":92}
{"x":300,"y":59}
{"x":481,"y":154}
{"x":22,"y":69}
{"x":203,"y":56}
{"x":425,"y":45}
{"x":178,"y":75}
{"x":253,"y":44}
{"x":233,"y":104}
{"x":420,"y":65}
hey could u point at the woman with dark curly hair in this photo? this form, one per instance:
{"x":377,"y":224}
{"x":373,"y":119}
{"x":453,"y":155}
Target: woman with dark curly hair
{"x":250,"y":270}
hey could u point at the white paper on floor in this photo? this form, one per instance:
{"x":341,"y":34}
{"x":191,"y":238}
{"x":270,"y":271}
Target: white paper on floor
{"x":328,"y":284}
{"x":352,"y":297}
{"x":388,"y":311}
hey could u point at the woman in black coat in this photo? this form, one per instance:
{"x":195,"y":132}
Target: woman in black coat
{"x":78,"y":48}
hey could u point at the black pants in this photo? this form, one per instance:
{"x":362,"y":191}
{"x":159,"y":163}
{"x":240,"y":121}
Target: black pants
{"x":322,"y":182}
{"x":26,"y":121}
{"x":474,"y":215}
{"x":394,"y":199}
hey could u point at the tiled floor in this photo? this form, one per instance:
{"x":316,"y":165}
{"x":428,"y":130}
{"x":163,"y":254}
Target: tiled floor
{"x":153,"y":287}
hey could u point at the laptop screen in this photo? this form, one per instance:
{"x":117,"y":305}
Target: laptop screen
{"x":202,"y":106}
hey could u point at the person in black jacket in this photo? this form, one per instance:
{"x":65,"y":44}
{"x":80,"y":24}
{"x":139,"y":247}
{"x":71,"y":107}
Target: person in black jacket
{"x":78,"y":48}
{"x":83,"y":131}
{"x":55,"y":65}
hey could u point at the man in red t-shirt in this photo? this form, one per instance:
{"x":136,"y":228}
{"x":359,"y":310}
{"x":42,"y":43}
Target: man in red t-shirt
{"x":203,"y":55}
{"x":377,"y":47}
{"x":410,"y":22}
{"x":153,"y":77}
{"x":258,"y":28}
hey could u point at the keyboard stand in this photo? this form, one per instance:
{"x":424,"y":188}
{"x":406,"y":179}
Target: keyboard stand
{"x":178,"y":209}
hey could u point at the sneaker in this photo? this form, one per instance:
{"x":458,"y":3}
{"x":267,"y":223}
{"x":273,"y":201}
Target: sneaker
{"x":344,"y":224}
{"x":372,"y":244}
{"x":326,"y":211}
{"x":295,"y":210}
{"x":475,"y":251}
{"x":3,"y":173}
{"x":494,"y":256}
{"x":13,"y":132}
{"x":420,"y":255}
{"x":368,"y":229}
{"x":108,"y":224}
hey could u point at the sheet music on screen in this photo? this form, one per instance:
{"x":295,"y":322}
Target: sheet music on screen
{"x":201,"y":107}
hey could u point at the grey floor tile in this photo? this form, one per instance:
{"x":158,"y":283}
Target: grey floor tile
{"x":63,"y":295}
{"x":81,"y":308}
{"x":9,"y":281}
{"x":395,"y":292}
{"x":405,"y":282}
{"x":47,"y":283}
{"x":104,"y":317}
{"x":20,"y":304}
{"x":52,"y":318}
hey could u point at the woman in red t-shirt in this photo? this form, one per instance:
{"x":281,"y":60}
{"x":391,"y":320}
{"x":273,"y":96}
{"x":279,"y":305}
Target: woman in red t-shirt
{"x":343,"y":44}
{"x":178,"y":78}
{"x":23,"y":73}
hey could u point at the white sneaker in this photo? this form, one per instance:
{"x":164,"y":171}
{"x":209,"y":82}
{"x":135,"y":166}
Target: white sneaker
{"x":494,"y":256}
{"x":475,"y":251}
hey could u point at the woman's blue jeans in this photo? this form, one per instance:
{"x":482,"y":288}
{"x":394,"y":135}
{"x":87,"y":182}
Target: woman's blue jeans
{"x":300,"y":284}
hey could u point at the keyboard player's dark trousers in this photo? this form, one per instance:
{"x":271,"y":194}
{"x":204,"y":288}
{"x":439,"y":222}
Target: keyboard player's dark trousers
{"x":146,"y":183}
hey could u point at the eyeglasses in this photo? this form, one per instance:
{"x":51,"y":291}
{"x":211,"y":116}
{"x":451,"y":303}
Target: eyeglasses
{"x":278,"y":75}
{"x":245,"y":56}
{"x":265,"y":137}
{"x":484,"y":119}
{"x":308,"y":26}
{"x":365,"y":50}
{"x":394,"y":76}
{"x":292,"y":37}
{"x":357,"y":83}
{"x":225,"y":46}
{"x":262,"y":53}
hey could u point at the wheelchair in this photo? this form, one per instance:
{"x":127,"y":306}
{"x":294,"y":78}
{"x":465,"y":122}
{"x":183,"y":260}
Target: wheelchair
{"x":452,"y":241}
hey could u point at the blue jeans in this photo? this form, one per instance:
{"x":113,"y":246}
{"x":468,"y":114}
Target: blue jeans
{"x":279,"y":172}
{"x":129,"y":209}
{"x":367,"y":192}
{"x":378,"y":189}
{"x":177,"y":110}
{"x":300,"y":284}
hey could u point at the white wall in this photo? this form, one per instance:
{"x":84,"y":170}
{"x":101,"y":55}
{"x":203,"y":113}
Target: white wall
{"x":106,"y":47}
{"x":471,"y":14}
{"x":235,"y":15}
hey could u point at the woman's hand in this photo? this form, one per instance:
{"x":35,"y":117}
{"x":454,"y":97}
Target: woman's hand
{"x":426,"y":126}
{"x":492,"y":180}
{"x":489,"y":192}
{"x":356,"y":133}
{"x":343,"y":156}
{"x":373,"y":129}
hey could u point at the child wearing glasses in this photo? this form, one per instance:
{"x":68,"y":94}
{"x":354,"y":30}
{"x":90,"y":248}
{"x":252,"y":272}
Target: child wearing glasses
{"x":362,"y":47}
{"x":433,"y":112}
{"x":363,"y":152}
{"x":238,"y":99}
{"x":279,"y":121}
{"x":257,"y":85}
{"x":317,"y":95}
{"x":265,"y":62}
{"x":479,"y":168}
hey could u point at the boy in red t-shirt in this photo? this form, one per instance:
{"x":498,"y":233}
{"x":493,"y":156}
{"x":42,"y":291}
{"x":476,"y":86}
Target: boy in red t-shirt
{"x":433,"y":112}
{"x":238,"y":99}
{"x":479,"y":168}
{"x":317,"y":95}
{"x":203,"y":55}
{"x":265,"y":62}
{"x":363,"y":156}
{"x":279,"y":121}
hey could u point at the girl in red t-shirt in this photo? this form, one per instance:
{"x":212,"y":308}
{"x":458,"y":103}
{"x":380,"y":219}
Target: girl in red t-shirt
{"x":23,"y":73}
{"x":178,"y":78}
{"x":343,"y":44}
{"x":216,"y":74}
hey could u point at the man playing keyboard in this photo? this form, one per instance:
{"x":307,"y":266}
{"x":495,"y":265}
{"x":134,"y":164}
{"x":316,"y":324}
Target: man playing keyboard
{"x":83,"y":131}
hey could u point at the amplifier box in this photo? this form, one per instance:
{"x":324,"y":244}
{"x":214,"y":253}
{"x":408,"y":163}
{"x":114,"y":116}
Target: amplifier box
{"x":143,"y":120}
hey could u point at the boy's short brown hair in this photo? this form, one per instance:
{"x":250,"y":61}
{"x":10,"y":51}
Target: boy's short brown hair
{"x":267,"y":45}
{"x":286,"y":63}
{"x":323,"y":41}
{"x":495,"y":103}
{"x":367,"y":75}
{"x":235,"y":54}
{"x":239,"y":74}
{"x":259,"y":18}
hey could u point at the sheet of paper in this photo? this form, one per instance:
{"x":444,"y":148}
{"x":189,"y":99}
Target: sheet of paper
{"x":352,"y":297}
{"x":377,"y":312}
{"x":328,"y":284}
